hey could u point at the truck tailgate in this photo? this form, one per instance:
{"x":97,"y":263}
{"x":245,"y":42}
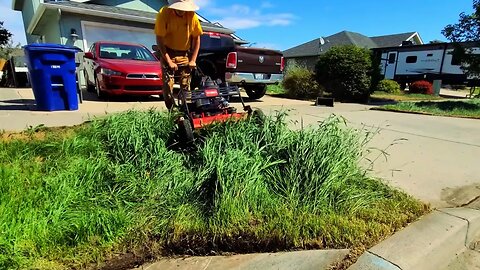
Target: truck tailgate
{"x":256,"y":60}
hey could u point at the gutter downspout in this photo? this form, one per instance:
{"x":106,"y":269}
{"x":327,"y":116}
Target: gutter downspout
{"x":59,"y":12}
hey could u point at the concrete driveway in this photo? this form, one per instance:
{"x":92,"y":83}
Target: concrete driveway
{"x":435,"y":159}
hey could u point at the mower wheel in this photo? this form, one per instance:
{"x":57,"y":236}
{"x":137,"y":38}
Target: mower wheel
{"x":258,"y":117}
{"x":186,"y":130}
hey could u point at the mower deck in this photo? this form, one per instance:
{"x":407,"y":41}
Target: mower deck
{"x":203,"y":121}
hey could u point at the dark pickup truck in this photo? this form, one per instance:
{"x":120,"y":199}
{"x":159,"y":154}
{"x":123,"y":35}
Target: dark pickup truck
{"x":250,"y":68}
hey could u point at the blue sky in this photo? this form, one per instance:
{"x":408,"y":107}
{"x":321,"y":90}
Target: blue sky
{"x":282,"y":24}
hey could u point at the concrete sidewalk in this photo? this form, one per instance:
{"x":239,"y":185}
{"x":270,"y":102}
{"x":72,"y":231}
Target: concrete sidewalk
{"x":17,"y":110}
{"x":432,"y":243}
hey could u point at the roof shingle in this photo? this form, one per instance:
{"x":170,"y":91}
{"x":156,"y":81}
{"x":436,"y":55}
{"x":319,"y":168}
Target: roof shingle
{"x":313,"y":48}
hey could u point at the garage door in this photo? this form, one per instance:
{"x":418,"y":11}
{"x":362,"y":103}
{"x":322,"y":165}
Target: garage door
{"x":93,"y":32}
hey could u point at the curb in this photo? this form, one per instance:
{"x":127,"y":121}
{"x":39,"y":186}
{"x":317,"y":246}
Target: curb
{"x":430,"y":243}
{"x":298,"y":260}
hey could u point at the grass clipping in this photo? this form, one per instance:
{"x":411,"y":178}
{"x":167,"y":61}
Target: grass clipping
{"x":118,"y":186}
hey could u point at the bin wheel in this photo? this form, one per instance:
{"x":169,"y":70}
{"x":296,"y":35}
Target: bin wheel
{"x":100,"y":94}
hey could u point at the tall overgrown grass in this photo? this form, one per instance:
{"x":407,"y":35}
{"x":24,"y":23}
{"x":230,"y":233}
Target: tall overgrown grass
{"x":121,"y":185}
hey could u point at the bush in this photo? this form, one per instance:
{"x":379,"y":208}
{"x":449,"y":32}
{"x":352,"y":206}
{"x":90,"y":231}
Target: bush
{"x":421,"y":87}
{"x":389,"y":86}
{"x":345,"y":72}
{"x":300,"y":83}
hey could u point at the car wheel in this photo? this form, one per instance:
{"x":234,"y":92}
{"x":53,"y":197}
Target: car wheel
{"x":100,"y":94}
{"x":256,"y":91}
{"x":90,"y":88}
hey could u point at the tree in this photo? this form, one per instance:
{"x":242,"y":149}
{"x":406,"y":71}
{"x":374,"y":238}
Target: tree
{"x":466,"y":30}
{"x":5,"y":35}
{"x":346,"y":72}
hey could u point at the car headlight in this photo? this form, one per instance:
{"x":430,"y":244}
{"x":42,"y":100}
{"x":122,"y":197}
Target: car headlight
{"x":109,"y":72}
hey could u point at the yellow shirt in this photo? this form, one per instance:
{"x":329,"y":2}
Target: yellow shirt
{"x":177,"y":31}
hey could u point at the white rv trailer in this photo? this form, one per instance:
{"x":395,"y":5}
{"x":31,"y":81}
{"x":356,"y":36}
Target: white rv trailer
{"x":410,"y":63}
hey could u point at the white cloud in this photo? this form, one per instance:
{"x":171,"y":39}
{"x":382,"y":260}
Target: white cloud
{"x":239,"y":16}
{"x":239,"y":23}
{"x":203,"y":3}
{"x":266,"y":46}
{"x":247,"y":22}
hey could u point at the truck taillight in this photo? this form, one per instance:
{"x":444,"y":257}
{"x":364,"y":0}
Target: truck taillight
{"x":282,"y":64}
{"x":232,"y":60}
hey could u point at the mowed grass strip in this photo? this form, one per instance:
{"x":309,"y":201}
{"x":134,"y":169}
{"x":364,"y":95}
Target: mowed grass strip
{"x":122,"y":185}
{"x":386,"y":97}
{"x":454,"y":108}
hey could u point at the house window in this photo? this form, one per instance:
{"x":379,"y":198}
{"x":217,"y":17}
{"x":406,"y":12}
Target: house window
{"x":391,"y":58}
{"x":411,"y":59}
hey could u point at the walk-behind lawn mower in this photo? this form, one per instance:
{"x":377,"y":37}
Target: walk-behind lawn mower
{"x":207,"y":104}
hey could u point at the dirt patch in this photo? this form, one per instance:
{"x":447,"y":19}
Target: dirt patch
{"x":350,"y":259}
{"x":40,"y":133}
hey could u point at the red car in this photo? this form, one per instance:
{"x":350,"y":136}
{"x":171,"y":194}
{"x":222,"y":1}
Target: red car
{"x":119,"y":68}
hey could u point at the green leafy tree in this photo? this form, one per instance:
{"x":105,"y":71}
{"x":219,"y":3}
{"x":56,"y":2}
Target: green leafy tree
{"x":466,"y":30}
{"x":5,"y":35}
{"x":346,"y":72}
{"x":7,"y":50}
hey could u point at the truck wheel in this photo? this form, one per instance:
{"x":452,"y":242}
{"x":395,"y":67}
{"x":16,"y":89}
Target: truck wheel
{"x":256,"y":91}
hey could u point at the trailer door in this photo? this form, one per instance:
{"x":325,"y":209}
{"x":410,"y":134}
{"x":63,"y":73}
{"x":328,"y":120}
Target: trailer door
{"x":391,"y":65}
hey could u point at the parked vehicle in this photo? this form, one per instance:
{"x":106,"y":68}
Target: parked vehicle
{"x":119,"y":68}
{"x":250,"y":68}
{"x":407,"y":64}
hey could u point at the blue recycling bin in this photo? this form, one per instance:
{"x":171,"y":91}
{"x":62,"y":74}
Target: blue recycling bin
{"x":52,"y":76}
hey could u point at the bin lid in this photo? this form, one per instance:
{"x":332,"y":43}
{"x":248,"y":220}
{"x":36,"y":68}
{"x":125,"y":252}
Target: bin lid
{"x":49,"y":47}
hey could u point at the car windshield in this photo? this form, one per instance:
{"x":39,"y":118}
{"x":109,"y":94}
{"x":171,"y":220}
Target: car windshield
{"x":126,"y":52}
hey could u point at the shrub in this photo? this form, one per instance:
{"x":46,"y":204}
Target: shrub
{"x":300,"y":82}
{"x":389,"y":86}
{"x":345,"y":72}
{"x":421,"y":87}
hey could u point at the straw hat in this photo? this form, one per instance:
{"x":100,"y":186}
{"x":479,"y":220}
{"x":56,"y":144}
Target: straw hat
{"x":185,"y":5}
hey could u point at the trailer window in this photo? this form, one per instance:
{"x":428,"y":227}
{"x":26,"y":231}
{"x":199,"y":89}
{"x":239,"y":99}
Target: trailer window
{"x":411,"y":59}
{"x":391,"y":58}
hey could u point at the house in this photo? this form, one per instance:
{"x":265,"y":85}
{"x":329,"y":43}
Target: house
{"x":307,"y":54}
{"x":82,"y":22}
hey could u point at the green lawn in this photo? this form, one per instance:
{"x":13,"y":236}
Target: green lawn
{"x":461,"y":108}
{"x":276,"y":90}
{"x":387,"y":97}
{"x":81,"y":197}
